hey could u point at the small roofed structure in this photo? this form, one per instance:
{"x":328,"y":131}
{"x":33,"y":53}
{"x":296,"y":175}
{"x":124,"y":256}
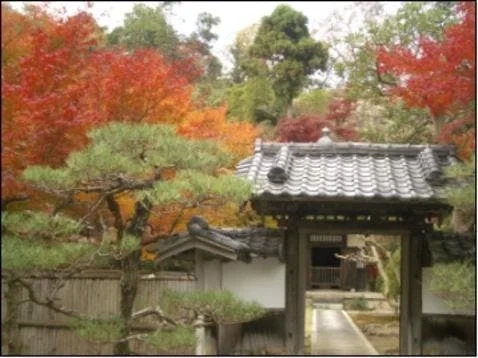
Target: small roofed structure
{"x":340,"y":188}
{"x":249,"y":262}
{"x":229,"y":244}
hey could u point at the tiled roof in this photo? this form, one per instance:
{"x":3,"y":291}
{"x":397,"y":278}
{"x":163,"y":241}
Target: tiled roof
{"x":259,"y":241}
{"x":233,"y":243}
{"x":328,"y":169}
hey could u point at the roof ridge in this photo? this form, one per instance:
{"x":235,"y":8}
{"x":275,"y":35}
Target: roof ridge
{"x":354,"y":148}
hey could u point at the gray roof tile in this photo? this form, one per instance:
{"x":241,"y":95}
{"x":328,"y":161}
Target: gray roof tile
{"x":243,"y":241}
{"x":344,"y":169}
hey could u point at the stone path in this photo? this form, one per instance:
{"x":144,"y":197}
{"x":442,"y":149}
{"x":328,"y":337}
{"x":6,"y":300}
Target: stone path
{"x":334,"y":333}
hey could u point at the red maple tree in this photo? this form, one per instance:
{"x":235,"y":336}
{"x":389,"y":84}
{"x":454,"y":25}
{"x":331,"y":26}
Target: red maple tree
{"x":62,"y":83}
{"x":441,"y":78}
{"x":308,"y":127}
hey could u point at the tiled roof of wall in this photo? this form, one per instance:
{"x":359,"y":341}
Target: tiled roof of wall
{"x":241,"y":241}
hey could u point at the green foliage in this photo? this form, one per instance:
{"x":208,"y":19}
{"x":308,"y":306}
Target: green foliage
{"x":391,"y":266}
{"x":172,"y":338}
{"x":21,"y":254}
{"x":43,"y":177}
{"x":205,"y":22}
{"x":239,"y":51}
{"x":455,"y":283}
{"x":38,"y":225}
{"x":211,"y":93}
{"x":358,"y":304}
{"x":392,"y":122}
{"x":312,"y":102}
{"x":199,"y":43}
{"x":98,"y":330}
{"x":252,"y":100}
{"x":463,"y":194}
{"x":110,"y":248}
{"x":221,"y":306}
{"x":200,"y":186}
{"x":284,"y":50}
{"x":129,"y":149}
{"x":146,"y":27}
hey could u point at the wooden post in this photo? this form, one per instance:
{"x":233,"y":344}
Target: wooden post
{"x":416,"y":247}
{"x":200,"y":337}
{"x":301,"y":288}
{"x":291,"y":287}
{"x":296,"y":278}
{"x":411,"y":295}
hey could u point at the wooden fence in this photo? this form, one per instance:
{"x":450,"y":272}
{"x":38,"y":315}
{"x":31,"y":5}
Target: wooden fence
{"x":96,"y":293}
{"x":324,"y":276}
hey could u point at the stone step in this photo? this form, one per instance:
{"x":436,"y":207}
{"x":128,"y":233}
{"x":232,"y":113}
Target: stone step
{"x":329,"y":305}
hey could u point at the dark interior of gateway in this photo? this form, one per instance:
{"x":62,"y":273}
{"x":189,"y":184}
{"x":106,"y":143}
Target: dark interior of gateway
{"x":325,"y":256}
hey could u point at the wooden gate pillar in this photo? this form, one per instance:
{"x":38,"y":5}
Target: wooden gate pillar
{"x":295,"y":282}
{"x":411,"y":294}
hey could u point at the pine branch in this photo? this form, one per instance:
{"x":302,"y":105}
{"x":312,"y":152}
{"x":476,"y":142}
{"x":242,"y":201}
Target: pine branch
{"x":49,"y":302}
{"x":154,"y":311}
{"x":12,"y":199}
{"x":62,"y":205}
{"x":93,"y":209}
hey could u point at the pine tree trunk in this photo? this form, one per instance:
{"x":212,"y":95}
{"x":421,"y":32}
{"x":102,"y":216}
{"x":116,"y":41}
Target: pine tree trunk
{"x":129,"y":279}
{"x":129,"y":288}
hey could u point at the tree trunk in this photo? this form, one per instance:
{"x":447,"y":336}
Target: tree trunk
{"x":140,"y":217}
{"x":115,"y":210}
{"x":10,"y":329}
{"x":386,"y":281}
{"x":129,"y":288}
{"x":129,"y":279}
{"x":289,"y":110}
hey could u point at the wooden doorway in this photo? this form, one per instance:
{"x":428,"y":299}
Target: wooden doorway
{"x":324,"y":268}
{"x":297,"y":235}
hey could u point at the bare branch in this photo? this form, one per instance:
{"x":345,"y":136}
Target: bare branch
{"x":48,"y":302}
{"x":154,"y":311}
{"x":139,"y":336}
{"x":93,"y":209}
{"x":382,"y":249}
{"x":177,"y":219}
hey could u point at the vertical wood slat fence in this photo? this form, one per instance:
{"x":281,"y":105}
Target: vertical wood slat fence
{"x":95,"y":293}
{"x":325,"y":276}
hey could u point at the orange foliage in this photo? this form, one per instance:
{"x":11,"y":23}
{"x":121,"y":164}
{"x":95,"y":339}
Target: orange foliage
{"x":18,"y":30}
{"x":210,"y":123}
{"x":139,"y":87}
{"x":58,"y":83}
{"x":61,"y":85}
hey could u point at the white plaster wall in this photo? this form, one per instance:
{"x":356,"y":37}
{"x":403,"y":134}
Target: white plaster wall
{"x":212,"y":275}
{"x":262,"y":280}
{"x":355,"y":241}
{"x":432,"y":304}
